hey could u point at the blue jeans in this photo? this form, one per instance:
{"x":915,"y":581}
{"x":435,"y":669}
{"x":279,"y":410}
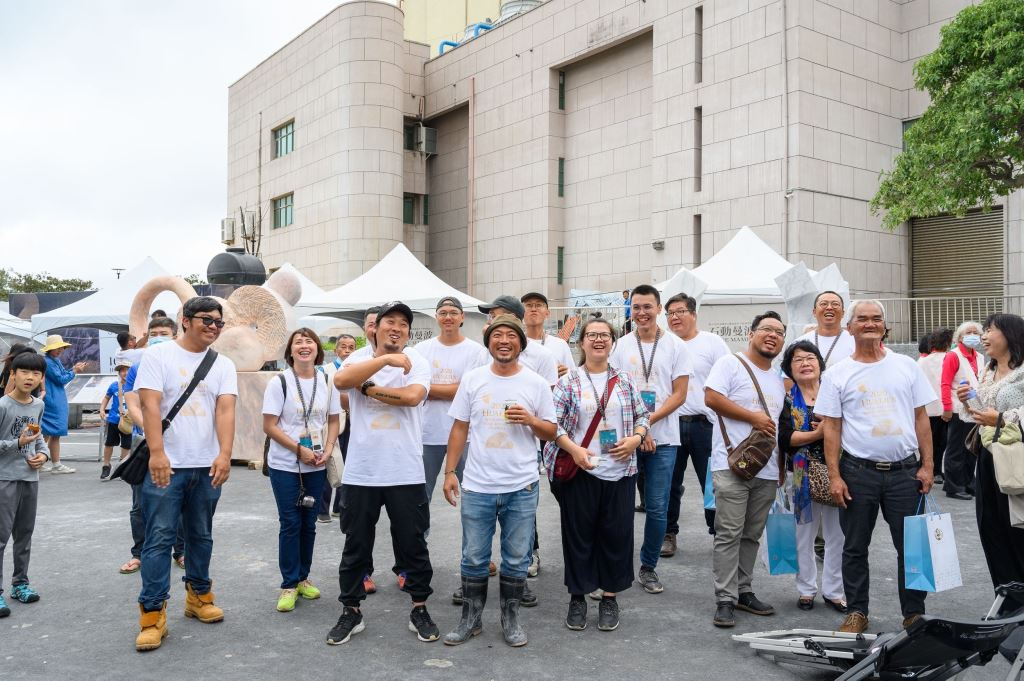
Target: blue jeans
{"x":191,"y":500}
{"x":138,"y":524}
{"x":657,"y":468}
{"x":297,"y":535}
{"x":517,"y":513}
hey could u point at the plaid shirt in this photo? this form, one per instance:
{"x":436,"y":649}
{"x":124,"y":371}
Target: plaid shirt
{"x":568,"y":396}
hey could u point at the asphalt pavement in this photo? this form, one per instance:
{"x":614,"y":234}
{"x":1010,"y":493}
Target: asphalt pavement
{"x":84,"y":626}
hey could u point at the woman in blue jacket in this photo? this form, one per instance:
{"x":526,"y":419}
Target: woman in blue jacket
{"x":55,"y":401}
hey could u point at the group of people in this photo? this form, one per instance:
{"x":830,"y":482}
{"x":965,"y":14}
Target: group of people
{"x":840,"y":425}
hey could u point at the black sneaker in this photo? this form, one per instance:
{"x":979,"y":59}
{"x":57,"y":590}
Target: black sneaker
{"x":750,"y":603}
{"x":105,"y":472}
{"x":576,"y":619}
{"x":649,"y":581}
{"x":608,"y":614}
{"x":421,"y":624}
{"x":724,"y":615}
{"x":350,"y":622}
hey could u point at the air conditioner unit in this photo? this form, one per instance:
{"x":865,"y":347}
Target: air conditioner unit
{"x":227,"y":230}
{"x":426,"y":139}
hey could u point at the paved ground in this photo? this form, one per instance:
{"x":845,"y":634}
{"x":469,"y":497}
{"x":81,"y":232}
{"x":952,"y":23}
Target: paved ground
{"x":85,"y":624}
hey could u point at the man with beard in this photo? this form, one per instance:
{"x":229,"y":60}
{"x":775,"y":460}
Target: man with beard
{"x":501,"y":408}
{"x":384,"y":467}
{"x":742,"y":505}
{"x":833,"y":341}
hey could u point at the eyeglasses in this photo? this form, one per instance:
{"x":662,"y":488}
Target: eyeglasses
{"x":535,"y":306}
{"x":772,"y":331}
{"x":597,"y":335}
{"x":210,"y":321}
{"x":676,"y":313}
{"x":447,"y":315}
{"x":827,"y":304}
{"x":806,"y":359}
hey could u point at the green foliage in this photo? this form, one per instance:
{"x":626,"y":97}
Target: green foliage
{"x":13,"y":282}
{"x":968,"y":147}
{"x":195,"y":279}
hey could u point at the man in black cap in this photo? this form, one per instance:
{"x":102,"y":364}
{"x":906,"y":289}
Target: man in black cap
{"x":536,"y":313}
{"x":534,"y":356}
{"x":384,"y":467}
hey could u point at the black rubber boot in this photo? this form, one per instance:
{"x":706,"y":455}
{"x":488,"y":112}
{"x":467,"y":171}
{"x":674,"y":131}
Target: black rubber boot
{"x":474,"y":597}
{"x":511,"y":596}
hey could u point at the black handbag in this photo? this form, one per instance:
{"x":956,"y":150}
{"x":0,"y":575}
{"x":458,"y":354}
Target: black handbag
{"x":134,"y":469}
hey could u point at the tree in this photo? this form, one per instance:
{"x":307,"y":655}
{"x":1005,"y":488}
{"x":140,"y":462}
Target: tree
{"x":968,"y":147}
{"x":195,"y":279}
{"x":13,"y":282}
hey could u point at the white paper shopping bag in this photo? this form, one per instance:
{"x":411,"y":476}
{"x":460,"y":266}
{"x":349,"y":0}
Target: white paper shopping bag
{"x":930,"y":560}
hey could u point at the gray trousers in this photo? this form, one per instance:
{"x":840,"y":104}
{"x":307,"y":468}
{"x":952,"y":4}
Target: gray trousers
{"x":741,"y":511}
{"x":17,"y":519}
{"x":434,"y":457}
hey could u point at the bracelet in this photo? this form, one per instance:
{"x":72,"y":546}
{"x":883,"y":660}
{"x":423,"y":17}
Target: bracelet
{"x":449,"y":472}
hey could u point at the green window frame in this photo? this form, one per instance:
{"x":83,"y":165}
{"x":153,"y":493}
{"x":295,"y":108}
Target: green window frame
{"x":409,"y":209}
{"x":283,"y":206}
{"x":561,"y":90}
{"x":409,"y":138}
{"x":426,"y":211}
{"x":561,"y":176}
{"x":560,"y":265}
{"x":284,"y":139}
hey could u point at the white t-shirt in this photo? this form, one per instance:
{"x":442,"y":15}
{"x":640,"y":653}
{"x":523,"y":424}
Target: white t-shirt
{"x":325,"y":403}
{"x":671,"y":360}
{"x":876,"y":402}
{"x":386,"y":442}
{"x":540,"y":361}
{"x":557,"y":347}
{"x":502,"y":456}
{"x":705,"y":349}
{"x":608,"y":468}
{"x":448,"y":364}
{"x":191,"y":441}
{"x":131,"y":355}
{"x":732,"y":381}
{"x":844,"y":346}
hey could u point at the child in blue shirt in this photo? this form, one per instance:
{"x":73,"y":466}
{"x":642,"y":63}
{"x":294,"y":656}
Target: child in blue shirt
{"x":112,"y":416}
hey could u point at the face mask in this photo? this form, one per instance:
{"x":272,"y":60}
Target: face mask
{"x":972,"y":340}
{"x":157,"y":340}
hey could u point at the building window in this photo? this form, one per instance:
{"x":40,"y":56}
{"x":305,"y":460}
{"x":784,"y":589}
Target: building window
{"x":409,"y":209}
{"x":698,"y":44}
{"x":698,"y":147}
{"x":410,"y":138}
{"x":284,"y":139}
{"x":907,"y":125}
{"x":283,"y":211}
{"x":426,"y":210}
{"x":696,"y":240}
{"x":560,"y":265}
{"x":561,"y":176}
{"x":561,"y":90}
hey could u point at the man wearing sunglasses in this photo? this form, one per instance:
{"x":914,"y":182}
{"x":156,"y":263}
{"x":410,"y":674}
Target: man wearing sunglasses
{"x":188,"y":464}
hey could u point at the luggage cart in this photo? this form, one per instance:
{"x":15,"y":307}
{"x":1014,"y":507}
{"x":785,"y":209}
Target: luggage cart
{"x":932,"y":649}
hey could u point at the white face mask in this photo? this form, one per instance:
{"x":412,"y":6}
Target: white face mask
{"x":157,"y":340}
{"x":972,"y":340}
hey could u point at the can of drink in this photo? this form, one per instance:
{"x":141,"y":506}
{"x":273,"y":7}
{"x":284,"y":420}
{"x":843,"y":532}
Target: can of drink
{"x":508,"y":405}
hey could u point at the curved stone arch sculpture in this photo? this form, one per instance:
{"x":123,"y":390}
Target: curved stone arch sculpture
{"x":138,"y":317}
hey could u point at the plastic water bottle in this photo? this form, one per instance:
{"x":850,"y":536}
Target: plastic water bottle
{"x":972,"y":396}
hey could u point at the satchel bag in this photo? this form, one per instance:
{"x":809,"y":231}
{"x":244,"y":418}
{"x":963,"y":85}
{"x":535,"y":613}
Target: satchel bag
{"x":124,"y":423}
{"x":817,"y":476}
{"x":754,"y":452}
{"x":134,"y":469}
{"x":565,"y":466}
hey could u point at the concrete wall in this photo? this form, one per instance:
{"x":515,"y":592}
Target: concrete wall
{"x":446,"y":240}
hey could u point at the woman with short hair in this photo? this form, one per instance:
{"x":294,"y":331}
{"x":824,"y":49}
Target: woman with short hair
{"x":960,"y":365}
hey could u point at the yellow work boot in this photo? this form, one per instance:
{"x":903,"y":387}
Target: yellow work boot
{"x":152,"y":628}
{"x":201,"y":606}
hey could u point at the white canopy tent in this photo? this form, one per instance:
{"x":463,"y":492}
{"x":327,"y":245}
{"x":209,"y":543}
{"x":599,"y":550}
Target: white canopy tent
{"x":14,"y":330}
{"x":398,"y":276}
{"x":108,"y":308}
{"x":310,"y":291}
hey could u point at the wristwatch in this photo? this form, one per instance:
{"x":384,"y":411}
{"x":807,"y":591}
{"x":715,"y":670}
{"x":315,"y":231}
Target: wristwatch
{"x":366,"y":386}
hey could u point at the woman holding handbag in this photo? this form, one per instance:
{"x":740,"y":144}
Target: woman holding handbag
{"x":601,"y":422}
{"x":999,"y":402}
{"x":297,"y":405}
{"x":801,"y":445}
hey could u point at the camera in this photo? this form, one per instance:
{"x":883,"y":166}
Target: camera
{"x":305,"y":501}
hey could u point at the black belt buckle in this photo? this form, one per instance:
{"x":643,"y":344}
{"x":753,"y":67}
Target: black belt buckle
{"x":883,"y":465}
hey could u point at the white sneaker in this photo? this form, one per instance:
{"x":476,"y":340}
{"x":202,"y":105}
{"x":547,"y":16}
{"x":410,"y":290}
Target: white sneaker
{"x":534,"y":568}
{"x":596,"y":594}
{"x":62,"y":468}
{"x":46,"y":468}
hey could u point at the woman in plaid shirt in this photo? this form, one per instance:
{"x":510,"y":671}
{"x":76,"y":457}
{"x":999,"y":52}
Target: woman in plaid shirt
{"x":597,"y":504}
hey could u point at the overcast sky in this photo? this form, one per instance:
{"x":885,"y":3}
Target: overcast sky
{"x":114,"y":120}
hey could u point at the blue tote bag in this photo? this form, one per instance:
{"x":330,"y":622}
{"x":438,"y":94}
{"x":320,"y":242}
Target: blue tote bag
{"x":709,"y":491}
{"x":780,"y":539}
{"x":930,"y":559}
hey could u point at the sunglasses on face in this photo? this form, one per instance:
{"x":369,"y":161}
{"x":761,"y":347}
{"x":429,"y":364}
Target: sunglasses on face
{"x":210,"y":321}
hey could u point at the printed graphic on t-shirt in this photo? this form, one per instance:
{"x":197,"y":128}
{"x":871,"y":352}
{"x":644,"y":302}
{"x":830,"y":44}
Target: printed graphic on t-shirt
{"x":381,"y":416}
{"x":19,"y":424}
{"x":878,"y":405}
{"x":494,"y":421}
{"x":194,"y":406}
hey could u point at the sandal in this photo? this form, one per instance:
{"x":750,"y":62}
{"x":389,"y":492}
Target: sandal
{"x":839,"y":605}
{"x":131,"y":567}
{"x":805,"y":603}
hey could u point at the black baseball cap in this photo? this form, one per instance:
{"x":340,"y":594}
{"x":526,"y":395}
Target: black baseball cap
{"x":506,"y":303}
{"x":534,"y":295}
{"x":395,"y":306}
{"x":451,"y":301}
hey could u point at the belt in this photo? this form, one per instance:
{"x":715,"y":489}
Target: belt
{"x":884,"y":466}
{"x":693,"y":418}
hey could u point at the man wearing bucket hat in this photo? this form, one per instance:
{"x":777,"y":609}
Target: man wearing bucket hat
{"x":55,"y":400}
{"x":501,"y":408}
{"x":384,"y":467}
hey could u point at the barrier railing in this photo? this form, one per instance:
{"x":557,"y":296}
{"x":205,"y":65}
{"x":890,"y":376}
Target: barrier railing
{"x":911,"y":318}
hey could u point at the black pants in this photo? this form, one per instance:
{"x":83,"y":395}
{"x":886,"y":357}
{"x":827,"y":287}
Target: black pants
{"x":409,"y":512}
{"x":597,"y":533}
{"x":325,"y":498}
{"x":959,"y":463}
{"x":1002,"y":543}
{"x":897,"y":494}
{"x":694,"y":444}
{"x":940,"y":430}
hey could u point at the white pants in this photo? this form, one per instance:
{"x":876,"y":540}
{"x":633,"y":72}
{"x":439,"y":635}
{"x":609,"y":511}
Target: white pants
{"x":832,"y":577}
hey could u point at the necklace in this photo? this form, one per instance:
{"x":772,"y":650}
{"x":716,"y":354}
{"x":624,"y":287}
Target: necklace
{"x":831,"y":348}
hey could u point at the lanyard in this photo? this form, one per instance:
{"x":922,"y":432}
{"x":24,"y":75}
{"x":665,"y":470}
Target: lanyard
{"x":602,"y":403}
{"x":647,"y":368}
{"x":831,"y":347}
{"x":312,"y":398}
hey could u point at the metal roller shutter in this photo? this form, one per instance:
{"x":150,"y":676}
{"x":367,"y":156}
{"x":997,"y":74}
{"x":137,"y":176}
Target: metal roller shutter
{"x":957,"y":257}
